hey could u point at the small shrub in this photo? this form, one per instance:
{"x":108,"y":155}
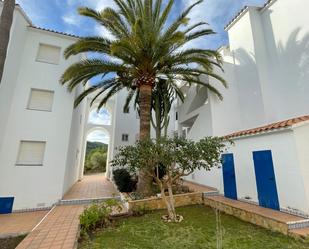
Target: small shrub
{"x":97,"y":216}
{"x":137,"y":196}
{"x":124,"y":181}
{"x":139,"y":210}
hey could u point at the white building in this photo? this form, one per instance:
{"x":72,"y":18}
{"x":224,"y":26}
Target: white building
{"x":43,"y":138}
{"x":267,"y":68}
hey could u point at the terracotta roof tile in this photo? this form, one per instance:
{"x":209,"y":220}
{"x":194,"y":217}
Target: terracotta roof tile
{"x":54,"y":31}
{"x":270,"y":127}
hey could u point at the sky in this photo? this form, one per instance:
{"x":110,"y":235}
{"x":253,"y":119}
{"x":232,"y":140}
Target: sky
{"x":102,"y":117}
{"x":61,"y":15}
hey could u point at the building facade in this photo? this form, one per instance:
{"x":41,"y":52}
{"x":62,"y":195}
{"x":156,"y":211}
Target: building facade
{"x":266,"y":67}
{"x":43,"y":138}
{"x":264,"y":111}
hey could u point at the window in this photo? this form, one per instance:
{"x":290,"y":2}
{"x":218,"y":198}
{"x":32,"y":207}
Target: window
{"x":31,"y":153}
{"x":48,"y":54}
{"x":176,"y":116}
{"x":125,"y":137}
{"x":41,"y":100}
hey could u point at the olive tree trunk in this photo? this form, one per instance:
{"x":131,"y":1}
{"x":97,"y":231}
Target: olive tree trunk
{"x":144,"y":184}
{"x":169,"y":202}
{"x":172,"y":214}
{"x":5,"y":29}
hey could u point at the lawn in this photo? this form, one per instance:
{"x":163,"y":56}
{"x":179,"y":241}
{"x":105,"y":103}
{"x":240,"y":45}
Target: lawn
{"x":198,"y":230}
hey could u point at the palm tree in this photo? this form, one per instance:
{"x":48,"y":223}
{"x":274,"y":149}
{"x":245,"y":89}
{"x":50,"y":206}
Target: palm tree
{"x":163,"y":97}
{"x":5,"y":30}
{"x":145,"y":50}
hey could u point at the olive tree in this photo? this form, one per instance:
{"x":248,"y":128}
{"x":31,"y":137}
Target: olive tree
{"x":179,"y":156}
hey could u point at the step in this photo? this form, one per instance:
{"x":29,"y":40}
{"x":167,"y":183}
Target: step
{"x":264,"y":217}
{"x":86,"y":201}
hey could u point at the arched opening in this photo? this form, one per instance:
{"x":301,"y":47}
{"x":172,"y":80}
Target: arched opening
{"x":96,"y":140}
{"x":96,"y":156}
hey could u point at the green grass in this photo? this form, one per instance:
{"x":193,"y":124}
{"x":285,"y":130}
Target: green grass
{"x":197,"y":231}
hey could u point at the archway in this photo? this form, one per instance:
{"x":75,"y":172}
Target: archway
{"x":97,"y":141}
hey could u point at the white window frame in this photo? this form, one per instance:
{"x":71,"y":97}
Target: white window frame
{"x":37,"y":109}
{"x":30,"y":164}
{"x":47,"y":61}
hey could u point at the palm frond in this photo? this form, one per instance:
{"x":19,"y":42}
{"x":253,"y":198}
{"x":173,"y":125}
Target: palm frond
{"x":116,"y":88}
{"x":103,"y":86}
{"x":144,"y":44}
{"x":88,"y":44}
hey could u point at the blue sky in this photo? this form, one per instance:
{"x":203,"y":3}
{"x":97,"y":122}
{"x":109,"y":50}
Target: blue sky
{"x":61,"y":15}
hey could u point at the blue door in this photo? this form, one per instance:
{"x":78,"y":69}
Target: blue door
{"x":229,"y":179}
{"x":265,"y":179}
{"x":6,"y":205}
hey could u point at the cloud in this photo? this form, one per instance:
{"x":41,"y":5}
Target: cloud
{"x":101,"y":4}
{"x":102,"y":31}
{"x":71,"y":19}
{"x":102,"y":117}
{"x":98,"y":136}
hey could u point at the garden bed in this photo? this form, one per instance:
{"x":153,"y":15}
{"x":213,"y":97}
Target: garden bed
{"x":11,"y":242}
{"x":198,"y":230}
{"x":157,"y":203}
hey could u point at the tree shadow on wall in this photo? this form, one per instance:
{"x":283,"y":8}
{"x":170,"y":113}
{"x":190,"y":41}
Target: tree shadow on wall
{"x":285,"y":80}
{"x":293,"y":64}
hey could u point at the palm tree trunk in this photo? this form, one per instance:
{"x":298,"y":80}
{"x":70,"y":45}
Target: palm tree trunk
{"x":144,"y":184}
{"x":145,"y":109}
{"x":6,"y":21}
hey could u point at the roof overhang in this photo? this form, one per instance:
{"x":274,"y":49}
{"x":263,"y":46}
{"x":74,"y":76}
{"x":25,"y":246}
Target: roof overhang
{"x":280,"y":126}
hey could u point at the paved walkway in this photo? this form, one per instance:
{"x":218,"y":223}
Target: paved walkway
{"x":19,"y":223}
{"x":198,"y":187}
{"x":58,"y":230}
{"x":60,"y":227}
{"x":92,"y":186}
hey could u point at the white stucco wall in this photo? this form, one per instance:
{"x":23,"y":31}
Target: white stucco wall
{"x":289,"y":181}
{"x":12,"y":65}
{"x":301,"y":133}
{"x":124,"y":123}
{"x":286,"y":29}
{"x":75,"y":148}
{"x":41,"y":186}
{"x":266,"y":67}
